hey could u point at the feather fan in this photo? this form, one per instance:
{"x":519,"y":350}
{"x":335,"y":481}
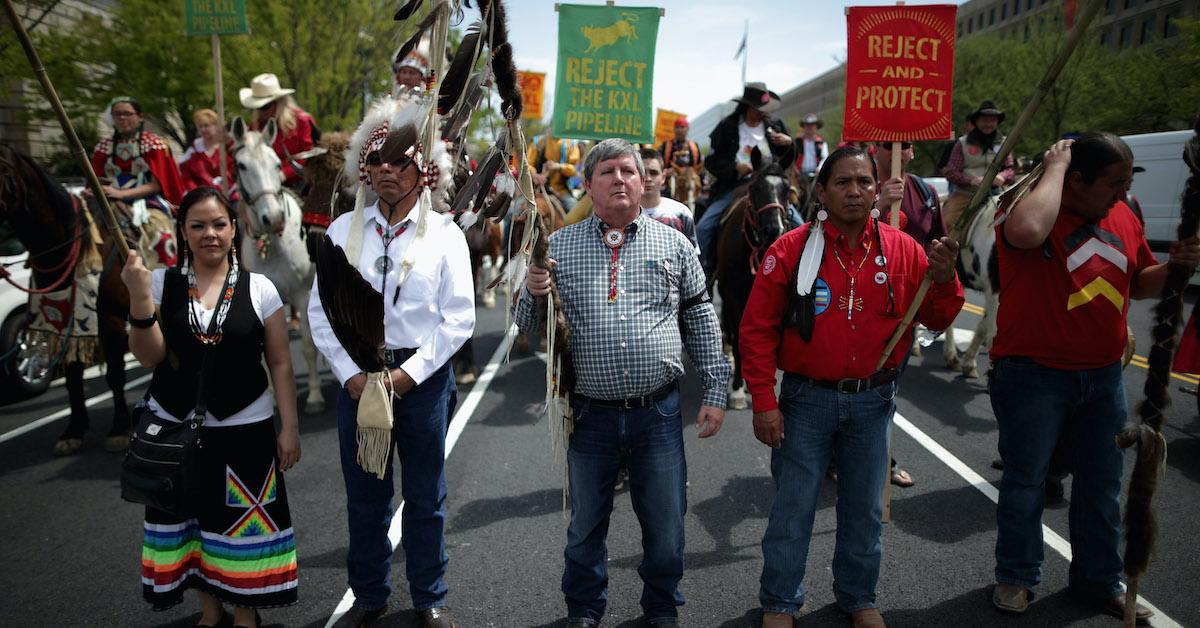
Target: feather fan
{"x":353,"y":307}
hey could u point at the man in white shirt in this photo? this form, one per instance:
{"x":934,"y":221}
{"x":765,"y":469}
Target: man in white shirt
{"x":668,"y":211}
{"x":429,"y":312}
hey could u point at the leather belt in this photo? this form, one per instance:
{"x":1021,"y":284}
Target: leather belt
{"x":393,"y":357}
{"x":850,"y":385}
{"x":632,"y":402}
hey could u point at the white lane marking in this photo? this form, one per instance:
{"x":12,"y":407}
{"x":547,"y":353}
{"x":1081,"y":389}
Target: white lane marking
{"x":50,"y":418}
{"x":459,"y":423}
{"x":1052,"y":538}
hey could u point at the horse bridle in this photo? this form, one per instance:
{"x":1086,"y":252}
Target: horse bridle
{"x":750,"y":219}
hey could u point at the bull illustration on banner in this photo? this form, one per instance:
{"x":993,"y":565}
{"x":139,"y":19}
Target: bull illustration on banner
{"x":599,"y":37}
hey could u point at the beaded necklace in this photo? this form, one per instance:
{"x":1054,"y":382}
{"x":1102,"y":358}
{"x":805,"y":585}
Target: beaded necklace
{"x":221,"y":311}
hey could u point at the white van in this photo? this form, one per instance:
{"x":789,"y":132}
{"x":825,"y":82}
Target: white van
{"x":1159,"y":189}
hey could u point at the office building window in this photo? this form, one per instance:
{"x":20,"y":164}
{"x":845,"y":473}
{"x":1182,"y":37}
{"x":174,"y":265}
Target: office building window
{"x":1169,"y":27}
{"x":1003,"y":12}
{"x":1110,"y":6}
{"x":1129,"y":3}
{"x":1016,"y":7}
{"x":1147,"y":30}
{"x":992,"y":16}
{"x":1104,"y":38}
{"x":970,"y":26}
{"x":1126,"y":37}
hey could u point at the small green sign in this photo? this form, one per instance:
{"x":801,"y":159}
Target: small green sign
{"x":216,"y":17}
{"x":605,"y":80}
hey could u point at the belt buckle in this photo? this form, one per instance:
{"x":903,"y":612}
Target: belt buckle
{"x":847,"y":390}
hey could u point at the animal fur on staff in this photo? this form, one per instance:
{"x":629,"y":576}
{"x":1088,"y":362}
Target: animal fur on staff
{"x":1140,"y":522}
{"x":502,"y":57}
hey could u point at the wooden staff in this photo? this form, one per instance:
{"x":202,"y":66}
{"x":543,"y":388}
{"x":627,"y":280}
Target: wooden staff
{"x":1090,"y":10}
{"x":85,"y":162}
{"x":219,"y":88}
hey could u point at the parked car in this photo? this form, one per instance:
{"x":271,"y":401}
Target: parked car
{"x":23,"y":368}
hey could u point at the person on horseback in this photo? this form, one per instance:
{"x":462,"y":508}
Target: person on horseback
{"x":201,"y":164}
{"x":628,"y":330}
{"x":680,"y":153}
{"x":808,"y":316}
{"x":136,"y":163}
{"x":1072,"y":255}
{"x":812,"y":147}
{"x":553,"y":161}
{"x":969,"y":160}
{"x":417,"y":259}
{"x":732,"y":141}
{"x":668,"y":211}
{"x":297,"y":133}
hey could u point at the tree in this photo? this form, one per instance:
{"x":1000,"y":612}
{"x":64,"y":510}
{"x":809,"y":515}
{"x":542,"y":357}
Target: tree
{"x":330,"y":57}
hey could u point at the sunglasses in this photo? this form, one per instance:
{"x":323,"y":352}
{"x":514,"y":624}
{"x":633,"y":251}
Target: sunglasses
{"x":375,"y":159}
{"x":888,"y":145}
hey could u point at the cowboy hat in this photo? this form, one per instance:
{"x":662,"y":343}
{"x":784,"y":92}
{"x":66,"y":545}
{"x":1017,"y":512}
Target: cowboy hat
{"x":758,"y":96}
{"x":812,"y":119}
{"x":986,"y":108}
{"x":263,"y":90}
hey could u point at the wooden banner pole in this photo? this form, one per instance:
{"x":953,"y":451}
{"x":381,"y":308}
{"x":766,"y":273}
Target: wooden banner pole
{"x":1056,"y":65}
{"x":219,"y":96}
{"x":35,"y":63}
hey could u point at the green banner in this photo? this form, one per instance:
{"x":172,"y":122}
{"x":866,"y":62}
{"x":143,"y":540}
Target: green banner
{"x":215,"y":17}
{"x":605,"y":82}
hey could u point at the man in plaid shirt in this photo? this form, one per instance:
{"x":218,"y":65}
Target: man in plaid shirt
{"x":633,"y":293}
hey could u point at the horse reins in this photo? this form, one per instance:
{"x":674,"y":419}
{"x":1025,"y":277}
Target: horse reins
{"x":67,"y":265}
{"x":750,"y":219}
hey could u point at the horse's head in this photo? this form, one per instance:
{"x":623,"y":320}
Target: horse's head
{"x":766,"y":214}
{"x":259,"y":177}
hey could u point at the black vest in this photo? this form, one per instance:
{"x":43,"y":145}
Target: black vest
{"x":235,"y":373}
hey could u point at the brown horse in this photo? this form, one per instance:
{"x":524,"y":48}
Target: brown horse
{"x":750,"y":226}
{"x":683,"y":185}
{"x":54,"y":228}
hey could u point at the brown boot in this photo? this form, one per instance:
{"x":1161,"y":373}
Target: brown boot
{"x":867,"y":618}
{"x":776,"y":620}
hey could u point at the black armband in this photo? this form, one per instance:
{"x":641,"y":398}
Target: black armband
{"x":699,"y":299}
{"x":143,"y":323}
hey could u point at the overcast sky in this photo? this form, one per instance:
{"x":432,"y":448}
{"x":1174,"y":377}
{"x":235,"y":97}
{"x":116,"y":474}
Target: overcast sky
{"x":791,"y":41}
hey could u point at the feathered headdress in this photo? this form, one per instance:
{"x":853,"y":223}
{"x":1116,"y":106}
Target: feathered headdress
{"x":395,"y":125}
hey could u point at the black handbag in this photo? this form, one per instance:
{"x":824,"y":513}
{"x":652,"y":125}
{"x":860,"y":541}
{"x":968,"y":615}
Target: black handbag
{"x":159,"y":465}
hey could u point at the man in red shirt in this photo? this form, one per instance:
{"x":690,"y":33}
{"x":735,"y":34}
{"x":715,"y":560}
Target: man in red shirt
{"x":1071,"y":255}
{"x":822,"y":308}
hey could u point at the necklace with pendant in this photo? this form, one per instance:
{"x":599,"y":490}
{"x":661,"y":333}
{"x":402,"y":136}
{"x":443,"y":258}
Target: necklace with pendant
{"x":613,"y":238}
{"x":383,"y":263}
{"x":850,"y":303}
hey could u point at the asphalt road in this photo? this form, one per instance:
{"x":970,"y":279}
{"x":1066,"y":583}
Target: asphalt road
{"x":69,"y":554}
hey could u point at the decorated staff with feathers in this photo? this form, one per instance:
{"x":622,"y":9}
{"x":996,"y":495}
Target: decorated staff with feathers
{"x":392,"y":301}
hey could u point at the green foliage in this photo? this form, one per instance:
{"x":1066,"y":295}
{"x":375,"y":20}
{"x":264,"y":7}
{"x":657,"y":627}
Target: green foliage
{"x":331,"y":55}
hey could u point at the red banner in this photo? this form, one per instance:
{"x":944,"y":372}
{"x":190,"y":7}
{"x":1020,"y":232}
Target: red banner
{"x":899,"y":73}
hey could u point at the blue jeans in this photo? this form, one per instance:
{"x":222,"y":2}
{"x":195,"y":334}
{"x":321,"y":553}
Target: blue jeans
{"x":649,"y":441}
{"x":819,"y":422}
{"x":709,"y":224}
{"x":1033,"y":405}
{"x":419,"y":439}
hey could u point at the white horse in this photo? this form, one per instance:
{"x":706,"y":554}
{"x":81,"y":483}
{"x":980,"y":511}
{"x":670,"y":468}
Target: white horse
{"x":271,"y":236}
{"x":979,"y":270}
